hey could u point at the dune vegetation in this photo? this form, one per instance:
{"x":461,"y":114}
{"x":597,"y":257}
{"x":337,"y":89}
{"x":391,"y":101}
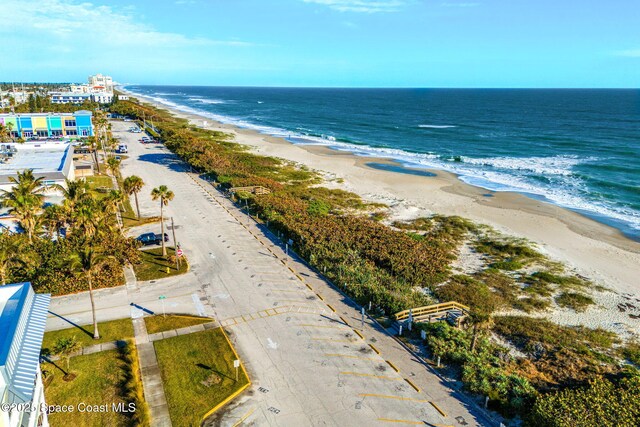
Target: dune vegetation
{"x":502,"y":352}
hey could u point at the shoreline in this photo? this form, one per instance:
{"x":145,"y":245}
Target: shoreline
{"x":587,"y":247}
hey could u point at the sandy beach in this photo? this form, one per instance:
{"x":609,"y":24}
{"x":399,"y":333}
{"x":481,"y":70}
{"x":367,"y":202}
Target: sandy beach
{"x":587,"y":247}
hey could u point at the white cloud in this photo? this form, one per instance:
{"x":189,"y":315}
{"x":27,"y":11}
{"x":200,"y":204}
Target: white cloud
{"x":71,"y":38}
{"x":66,"y":19}
{"x":631,"y":53}
{"x":363,"y":6}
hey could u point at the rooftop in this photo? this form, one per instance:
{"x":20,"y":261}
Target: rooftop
{"x":20,"y":345}
{"x":44,"y":158}
{"x":76,"y":113}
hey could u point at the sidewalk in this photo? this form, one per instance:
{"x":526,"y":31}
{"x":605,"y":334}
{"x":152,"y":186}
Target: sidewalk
{"x":151,"y":378}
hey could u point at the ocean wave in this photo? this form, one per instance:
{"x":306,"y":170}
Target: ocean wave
{"x":516,"y":174}
{"x":437,"y":126}
{"x":555,"y":165}
{"x":206,"y":100}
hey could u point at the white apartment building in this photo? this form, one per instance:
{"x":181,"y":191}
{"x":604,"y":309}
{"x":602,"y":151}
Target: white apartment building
{"x":23,"y":315}
{"x":101,"y":83}
{"x":98,"y":89}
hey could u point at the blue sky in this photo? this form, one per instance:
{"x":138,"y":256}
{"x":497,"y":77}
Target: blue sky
{"x":371,"y":43}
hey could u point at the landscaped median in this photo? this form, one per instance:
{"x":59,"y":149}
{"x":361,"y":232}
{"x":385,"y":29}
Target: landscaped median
{"x":161,"y":323}
{"x":96,"y":382}
{"x":154,"y":266}
{"x":198,"y":375}
{"x":113,"y":330}
{"x":103,"y":388}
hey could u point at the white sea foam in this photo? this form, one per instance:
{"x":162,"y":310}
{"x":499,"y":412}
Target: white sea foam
{"x":206,"y":100}
{"x":437,"y":126}
{"x":556,"y":165}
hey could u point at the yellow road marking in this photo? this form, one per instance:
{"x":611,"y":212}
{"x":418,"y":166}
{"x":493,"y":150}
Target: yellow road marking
{"x":415,"y":387}
{"x":331,"y":339}
{"x":374,"y":349}
{"x":348,"y":356}
{"x":384,"y":396}
{"x":244,"y":417}
{"x":389,"y":420}
{"x":359,"y":334}
{"x":342,"y":318}
{"x":393,"y":366}
{"x":319,"y":296}
{"x":324,"y":326}
{"x":438,"y":409}
{"x":382,"y":377}
{"x":331,"y":308}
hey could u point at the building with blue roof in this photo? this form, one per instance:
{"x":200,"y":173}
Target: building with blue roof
{"x":23,"y":316}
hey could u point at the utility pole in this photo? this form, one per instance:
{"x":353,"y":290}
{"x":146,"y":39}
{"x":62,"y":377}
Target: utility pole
{"x":175,"y":244}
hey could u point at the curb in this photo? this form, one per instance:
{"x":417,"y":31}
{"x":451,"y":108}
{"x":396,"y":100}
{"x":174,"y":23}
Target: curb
{"x":237,"y":392}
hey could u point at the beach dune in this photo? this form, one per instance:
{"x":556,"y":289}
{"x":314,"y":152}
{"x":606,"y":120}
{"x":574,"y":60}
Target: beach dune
{"x":587,"y":247}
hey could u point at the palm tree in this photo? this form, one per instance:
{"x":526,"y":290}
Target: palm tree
{"x":65,"y":347}
{"x":165,"y":195}
{"x":86,"y":217}
{"x":113,"y":165}
{"x":12,"y":254}
{"x":100,"y":124}
{"x":112,"y":202}
{"x":87,"y":262}
{"x":5,"y":135}
{"x":25,"y":200}
{"x":73,"y":191}
{"x":54,"y":218}
{"x":132,"y":185}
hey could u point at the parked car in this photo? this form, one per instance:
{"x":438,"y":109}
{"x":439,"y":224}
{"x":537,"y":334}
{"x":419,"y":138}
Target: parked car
{"x":145,"y":140}
{"x":122,"y":148}
{"x":152,"y":238}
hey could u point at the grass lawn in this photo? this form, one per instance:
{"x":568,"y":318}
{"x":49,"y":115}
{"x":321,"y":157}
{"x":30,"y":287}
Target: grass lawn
{"x":97,"y":382}
{"x":129,"y":219}
{"x":109,"y":331}
{"x":198,"y":374}
{"x":160,"y":323}
{"x":154,"y":266}
{"x":98,"y":181}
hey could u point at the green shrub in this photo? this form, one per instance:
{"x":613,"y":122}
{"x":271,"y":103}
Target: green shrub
{"x":574,"y":301}
{"x":631,"y":352}
{"x":508,"y":265}
{"x":601,"y":403}
{"x":318,"y":208}
{"x":469,"y":291}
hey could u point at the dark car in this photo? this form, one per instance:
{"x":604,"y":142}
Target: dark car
{"x":152,"y":239}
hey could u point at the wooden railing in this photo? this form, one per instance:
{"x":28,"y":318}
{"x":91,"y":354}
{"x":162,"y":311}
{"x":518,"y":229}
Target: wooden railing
{"x":420,"y":313}
{"x":254,"y":189}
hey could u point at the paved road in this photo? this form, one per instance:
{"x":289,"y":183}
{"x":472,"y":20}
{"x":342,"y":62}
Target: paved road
{"x":299,"y":338}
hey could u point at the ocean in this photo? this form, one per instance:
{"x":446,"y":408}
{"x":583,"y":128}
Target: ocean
{"x":576,"y":148}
